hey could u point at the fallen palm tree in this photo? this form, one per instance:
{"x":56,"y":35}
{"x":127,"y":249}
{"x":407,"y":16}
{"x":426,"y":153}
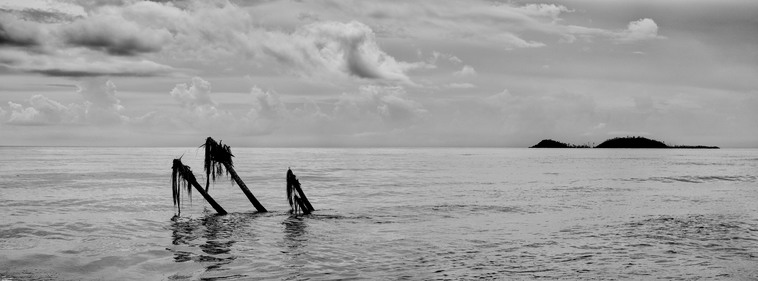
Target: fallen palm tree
{"x":218,"y":158}
{"x":182,"y":177}
{"x":296,"y":197}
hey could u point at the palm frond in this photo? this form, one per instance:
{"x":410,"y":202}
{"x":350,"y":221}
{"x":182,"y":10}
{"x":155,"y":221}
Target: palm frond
{"x":295,"y":196}
{"x":181,"y":176}
{"x":217,"y":156}
{"x":291,"y":190}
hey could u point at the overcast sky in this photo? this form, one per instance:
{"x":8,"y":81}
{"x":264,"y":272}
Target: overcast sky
{"x":377,"y":73}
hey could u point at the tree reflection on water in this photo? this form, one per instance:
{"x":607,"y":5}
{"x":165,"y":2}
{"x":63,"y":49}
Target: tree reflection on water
{"x":295,"y":228}
{"x":211,"y":234}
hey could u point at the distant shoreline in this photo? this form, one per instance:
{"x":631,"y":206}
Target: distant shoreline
{"x":622,"y":142}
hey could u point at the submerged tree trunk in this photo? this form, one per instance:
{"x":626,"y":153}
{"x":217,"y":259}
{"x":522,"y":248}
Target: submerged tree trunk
{"x":303,"y":199}
{"x":241,"y":184}
{"x":296,"y":196}
{"x":218,"y":157}
{"x":181,"y":175}
{"x":207,"y":197}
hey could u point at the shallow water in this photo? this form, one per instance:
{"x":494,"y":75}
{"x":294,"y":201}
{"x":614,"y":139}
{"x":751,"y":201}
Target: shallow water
{"x":418,"y":214}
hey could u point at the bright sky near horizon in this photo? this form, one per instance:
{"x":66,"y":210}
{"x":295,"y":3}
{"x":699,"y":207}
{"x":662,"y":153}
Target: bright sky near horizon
{"x":377,"y":73}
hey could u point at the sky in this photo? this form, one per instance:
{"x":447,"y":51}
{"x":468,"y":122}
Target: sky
{"x":377,"y":73}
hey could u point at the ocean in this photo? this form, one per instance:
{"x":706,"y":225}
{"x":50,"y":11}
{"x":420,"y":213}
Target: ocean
{"x":86,"y":213}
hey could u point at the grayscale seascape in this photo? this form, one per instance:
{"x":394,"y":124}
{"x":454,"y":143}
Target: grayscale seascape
{"x":88,"y":213}
{"x":176,"y":140}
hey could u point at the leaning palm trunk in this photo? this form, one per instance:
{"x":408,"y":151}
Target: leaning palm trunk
{"x":182,"y":176}
{"x":296,"y":197}
{"x":218,"y":158}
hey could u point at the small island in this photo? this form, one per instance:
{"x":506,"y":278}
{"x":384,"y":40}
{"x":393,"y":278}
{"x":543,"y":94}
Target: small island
{"x":621,"y":142}
{"x":556,"y":144}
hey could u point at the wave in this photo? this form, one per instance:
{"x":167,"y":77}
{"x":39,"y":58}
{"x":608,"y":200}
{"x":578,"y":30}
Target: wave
{"x":696,"y":179}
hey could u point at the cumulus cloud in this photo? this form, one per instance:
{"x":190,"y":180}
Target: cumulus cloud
{"x":100,"y":92}
{"x":100,"y":107}
{"x":43,"y":111}
{"x":642,"y":29}
{"x":196,"y":94}
{"x":378,"y":107}
{"x":348,"y":48}
{"x":267,"y":112}
{"x":200,"y":113}
{"x":545,"y":10}
{"x":466,"y":71}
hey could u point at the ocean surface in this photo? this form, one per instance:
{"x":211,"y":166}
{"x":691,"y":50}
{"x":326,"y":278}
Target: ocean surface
{"x":383,"y":214}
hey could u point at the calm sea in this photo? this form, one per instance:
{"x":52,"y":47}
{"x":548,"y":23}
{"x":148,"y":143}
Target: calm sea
{"x":383,"y":214}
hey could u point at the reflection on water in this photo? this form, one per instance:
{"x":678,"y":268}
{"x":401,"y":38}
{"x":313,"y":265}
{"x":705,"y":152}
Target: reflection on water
{"x":295,"y":228}
{"x":207,"y":240}
{"x":227,"y":247}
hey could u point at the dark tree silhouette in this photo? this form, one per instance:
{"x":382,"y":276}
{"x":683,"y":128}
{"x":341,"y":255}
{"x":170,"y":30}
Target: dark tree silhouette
{"x":632,"y":142}
{"x":622,"y":142}
{"x":548,"y":143}
{"x":218,"y":158}
{"x":182,"y":177}
{"x":296,"y":197}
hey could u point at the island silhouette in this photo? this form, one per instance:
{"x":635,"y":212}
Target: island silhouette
{"x":620,"y":142}
{"x":548,"y":143}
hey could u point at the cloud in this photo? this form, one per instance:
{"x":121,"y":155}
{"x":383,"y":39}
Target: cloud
{"x":44,"y":111}
{"x":642,"y":29}
{"x":636,"y":31}
{"x":436,"y":56}
{"x":80,"y":63}
{"x":101,"y":42}
{"x":100,"y":92}
{"x":347,"y":48}
{"x":267,"y":112}
{"x":16,"y":32}
{"x":196,"y":94}
{"x":545,"y":10}
{"x":466,"y":71}
{"x":143,"y":38}
{"x":200,"y":113}
{"x":374,"y":107}
{"x":146,"y":38}
{"x":101,"y":107}
{"x":453,"y":21}
{"x":198,"y":110}
{"x":460,"y":86}
{"x":111,"y":33}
